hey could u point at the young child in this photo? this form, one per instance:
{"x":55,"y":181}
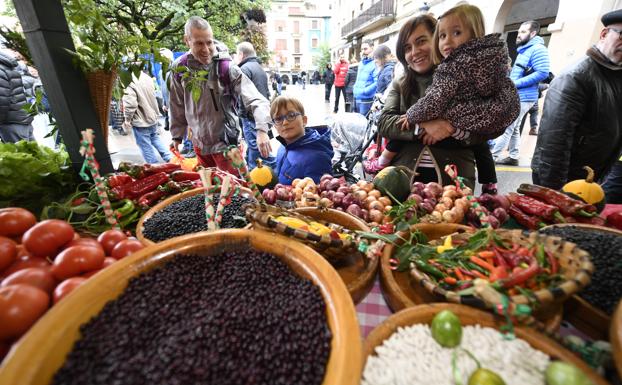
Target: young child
{"x":305,"y":152}
{"x":471,"y":76}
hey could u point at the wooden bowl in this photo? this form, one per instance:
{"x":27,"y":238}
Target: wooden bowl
{"x":615,"y":333}
{"x":400,"y":291}
{"x":355,"y":273}
{"x":172,"y":199}
{"x":42,"y":351}
{"x":470,"y":316}
{"x":589,"y":319}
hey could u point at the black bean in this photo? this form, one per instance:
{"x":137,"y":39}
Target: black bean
{"x":605,"y":288}
{"x":187,"y":216}
{"x":233,"y":318}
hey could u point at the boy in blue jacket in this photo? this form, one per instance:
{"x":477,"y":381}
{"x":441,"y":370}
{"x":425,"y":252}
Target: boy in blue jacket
{"x":304,"y":152}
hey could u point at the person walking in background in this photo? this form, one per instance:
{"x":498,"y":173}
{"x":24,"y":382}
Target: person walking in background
{"x":581,"y":121}
{"x":140,"y":109}
{"x":213,"y":116}
{"x":366,"y":79}
{"x":532,"y":66}
{"x":15,"y":123}
{"x":341,"y":69}
{"x":279,"y":83}
{"x":349,"y":85}
{"x":303,"y":79}
{"x":329,"y":79}
{"x":385,"y":65}
{"x":250,"y":66}
{"x":315,"y":78}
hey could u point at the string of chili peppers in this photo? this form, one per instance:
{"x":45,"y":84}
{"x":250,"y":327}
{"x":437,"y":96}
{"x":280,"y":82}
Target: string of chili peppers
{"x":226,"y":193}
{"x":206,"y":179}
{"x":87,"y":149}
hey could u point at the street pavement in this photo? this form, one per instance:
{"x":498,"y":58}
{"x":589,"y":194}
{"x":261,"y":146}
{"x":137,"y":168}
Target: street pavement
{"x":123,"y":148}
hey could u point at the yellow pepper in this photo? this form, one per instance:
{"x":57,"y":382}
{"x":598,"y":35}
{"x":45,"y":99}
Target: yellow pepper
{"x":446,"y":245}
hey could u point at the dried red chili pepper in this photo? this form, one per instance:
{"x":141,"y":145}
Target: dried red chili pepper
{"x":567,"y":205}
{"x":150,"y":198}
{"x":150,"y":169}
{"x":139,"y":187}
{"x":182,"y":176}
{"x":538,"y":208}
{"x":119,"y":179}
{"x":597,"y":220}
{"x":530,"y":222}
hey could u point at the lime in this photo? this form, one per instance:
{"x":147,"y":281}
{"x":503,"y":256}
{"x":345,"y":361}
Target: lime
{"x":485,"y":377}
{"x":446,"y":329}
{"x":562,"y":373}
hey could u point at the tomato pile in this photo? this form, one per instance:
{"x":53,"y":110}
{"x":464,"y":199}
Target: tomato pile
{"x":41,"y":263}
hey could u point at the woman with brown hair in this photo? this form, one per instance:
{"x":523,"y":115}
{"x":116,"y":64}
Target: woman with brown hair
{"x":415,"y":48}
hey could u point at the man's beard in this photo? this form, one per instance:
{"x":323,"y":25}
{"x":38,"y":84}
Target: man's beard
{"x":523,"y":42}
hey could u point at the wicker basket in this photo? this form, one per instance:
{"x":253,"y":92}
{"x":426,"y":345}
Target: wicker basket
{"x":575,"y":266}
{"x":101,"y":84}
{"x":333,"y":249}
{"x":423,"y":314}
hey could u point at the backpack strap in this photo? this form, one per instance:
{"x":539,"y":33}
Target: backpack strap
{"x":222,"y":71}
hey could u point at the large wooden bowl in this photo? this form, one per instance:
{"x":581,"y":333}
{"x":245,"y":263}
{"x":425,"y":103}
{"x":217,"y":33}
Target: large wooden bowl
{"x":42,"y":351}
{"x":400,"y":291}
{"x":615,"y":333}
{"x":355,"y":273}
{"x":168,"y":201}
{"x":581,"y":314}
{"x":423,"y":314}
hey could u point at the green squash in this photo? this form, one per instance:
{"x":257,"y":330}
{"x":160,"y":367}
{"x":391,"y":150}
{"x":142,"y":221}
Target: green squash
{"x":586,"y":190}
{"x":263,"y":176}
{"x":393,"y":182}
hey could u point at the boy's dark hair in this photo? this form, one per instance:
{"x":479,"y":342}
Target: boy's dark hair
{"x":368,"y":42}
{"x":533,"y":26}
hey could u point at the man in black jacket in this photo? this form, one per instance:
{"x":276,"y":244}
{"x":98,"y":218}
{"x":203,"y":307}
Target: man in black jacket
{"x":249,"y":64}
{"x":15,"y":123}
{"x":581,"y":122}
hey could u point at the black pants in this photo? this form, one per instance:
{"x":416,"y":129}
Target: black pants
{"x":613,"y":184}
{"x":327,"y":88}
{"x":339,"y":90}
{"x":484,"y":163}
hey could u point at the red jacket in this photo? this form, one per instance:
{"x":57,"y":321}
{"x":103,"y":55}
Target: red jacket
{"x":341,"y":69}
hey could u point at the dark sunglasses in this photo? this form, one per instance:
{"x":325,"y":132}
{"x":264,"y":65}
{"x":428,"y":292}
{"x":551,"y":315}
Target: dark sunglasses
{"x":290,"y":116}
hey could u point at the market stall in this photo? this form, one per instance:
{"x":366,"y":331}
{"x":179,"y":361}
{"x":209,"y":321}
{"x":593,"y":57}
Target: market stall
{"x":291,"y":279}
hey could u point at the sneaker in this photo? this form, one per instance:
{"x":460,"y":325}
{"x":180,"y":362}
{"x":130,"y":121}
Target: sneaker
{"x":507,"y":161}
{"x":533,"y":131}
{"x":489,"y":188}
{"x":372,"y":166}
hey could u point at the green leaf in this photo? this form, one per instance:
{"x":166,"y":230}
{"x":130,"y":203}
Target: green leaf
{"x":196,"y":94}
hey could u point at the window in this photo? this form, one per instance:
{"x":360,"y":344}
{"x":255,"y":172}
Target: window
{"x":313,"y":24}
{"x":281,"y":44}
{"x":297,"y":61}
{"x":361,"y":6}
{"x":314,"y":42}
{"x":296,"y":26}
{"x":297,"y":45}
{"x":279,"y":25}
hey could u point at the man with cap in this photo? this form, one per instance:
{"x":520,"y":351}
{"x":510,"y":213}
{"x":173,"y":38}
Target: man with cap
{"x":581,"y":121}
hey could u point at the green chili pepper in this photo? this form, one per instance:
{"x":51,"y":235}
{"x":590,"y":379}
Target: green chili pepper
{"x":431,"y":270}
{"x":83,"y":209}
{"x":125,"y":208}
{"x":127,"y":221}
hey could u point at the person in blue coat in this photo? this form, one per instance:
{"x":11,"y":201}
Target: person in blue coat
{"x":305,"y":152}
{"x":532,"y":66}
{"x":385,"y":66}
{"x":366,"y":79}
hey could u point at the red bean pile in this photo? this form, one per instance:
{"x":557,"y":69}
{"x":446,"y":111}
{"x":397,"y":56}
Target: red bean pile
{"x":232,"y":318}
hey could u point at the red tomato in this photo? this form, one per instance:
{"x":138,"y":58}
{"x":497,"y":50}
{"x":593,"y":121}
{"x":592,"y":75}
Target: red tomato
{"x":38,"y":277}
{"x":66,"y":287}
{"x":125,"y":248}
{"x":14,"y":221}
{"x":24,"y":262}
{"x":77,"y":260}
{"x":8,"y":252}
{"x":110,"y":238}
{"x":84,"y":242}
{"x":45,"y":238}
{"x":20,"y":307}
{"x":107,"y":262}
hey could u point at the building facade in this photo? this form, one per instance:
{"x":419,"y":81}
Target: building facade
{"x":296,"y":30}
{"x":569,"y":27}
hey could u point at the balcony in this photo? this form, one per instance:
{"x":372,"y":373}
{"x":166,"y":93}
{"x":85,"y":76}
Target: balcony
{"x":381,"y":12}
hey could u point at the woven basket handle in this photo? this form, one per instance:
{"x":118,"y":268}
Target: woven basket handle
{"x":439,"y":173}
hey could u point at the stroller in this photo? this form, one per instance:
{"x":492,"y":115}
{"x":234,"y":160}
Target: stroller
{"x":353,"y":137}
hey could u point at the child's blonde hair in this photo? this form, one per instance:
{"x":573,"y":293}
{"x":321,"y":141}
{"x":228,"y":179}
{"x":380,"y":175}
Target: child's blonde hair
{"x":470,"y":16}
{"x":281,"y":102}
